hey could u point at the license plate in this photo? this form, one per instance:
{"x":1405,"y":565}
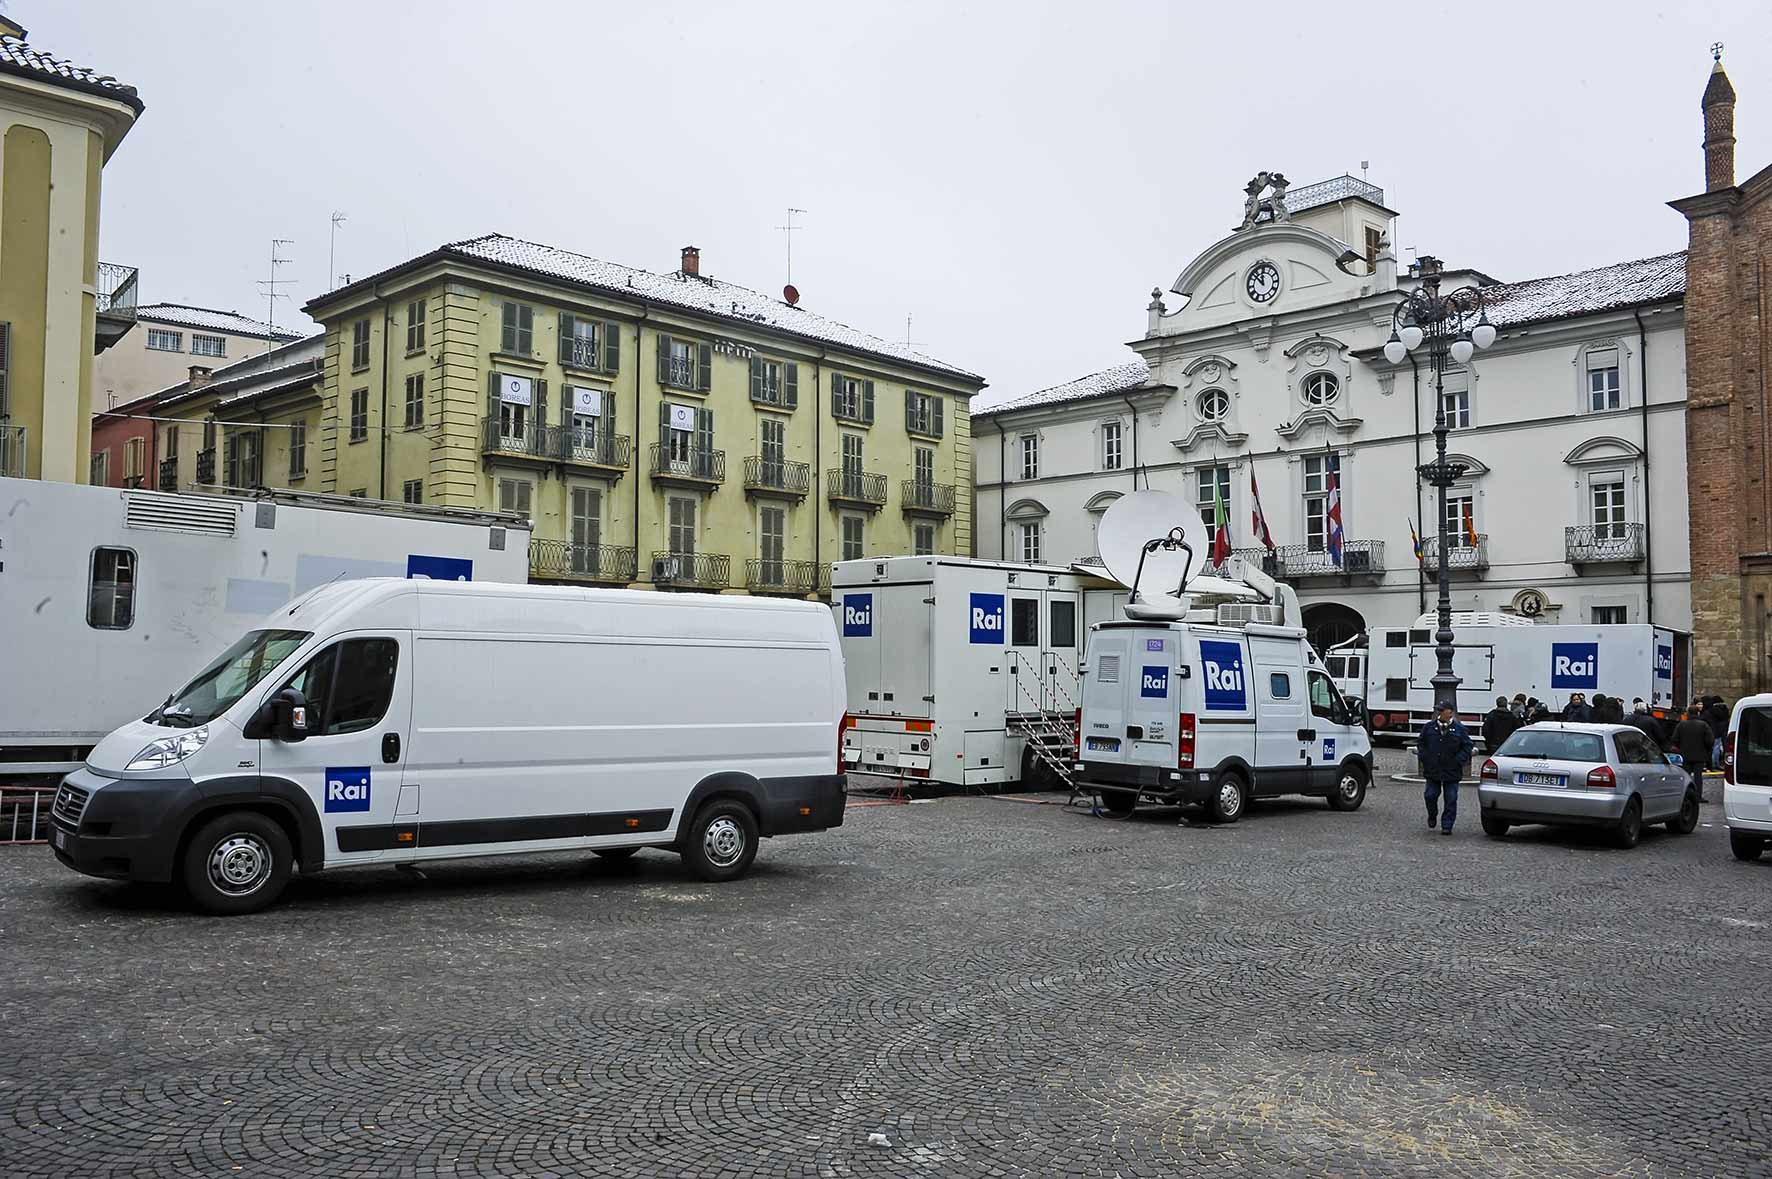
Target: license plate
{"x":1103,"y":744}
{"x":1525,"y":779}
{"x":60,"y":838}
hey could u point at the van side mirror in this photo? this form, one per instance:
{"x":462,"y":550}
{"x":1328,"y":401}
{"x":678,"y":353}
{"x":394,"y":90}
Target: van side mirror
{"x":288,"y":719}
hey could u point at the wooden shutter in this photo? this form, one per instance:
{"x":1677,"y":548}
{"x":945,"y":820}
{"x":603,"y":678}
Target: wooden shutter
{"x":935,"y":404}
{"x":541,"y":404}
{"x":837,"y":395}
{"x":704,"y":367}
{"x":790,"y":385}
{"x":565,"y":338}
{"x":704,"y":432}
{"x":756,"y":378}
{"x":608,"y":422}
{"x":611,"y":346}
{"x":5,"y":368}
{"x":664,"y":426}
{"x":664,"y":360}
{"x":910,"y":410}
{"x":525,"y":329}
{"x":867,"y":402}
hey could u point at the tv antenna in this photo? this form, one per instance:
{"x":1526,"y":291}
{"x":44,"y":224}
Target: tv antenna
{"x":788,"y":233}
{"x":1364,"y":164}
{"x":338,"y":219}
{"x":270,"y":285}
{"x":908,"y":342}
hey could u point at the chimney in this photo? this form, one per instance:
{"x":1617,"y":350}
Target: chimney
{"x":1718,"y":105}
{"x":200,"y":375}
{"x":691,"y":261}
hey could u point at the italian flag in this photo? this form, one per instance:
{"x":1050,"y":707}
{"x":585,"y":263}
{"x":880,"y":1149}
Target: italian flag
{"x":1221,"y":536}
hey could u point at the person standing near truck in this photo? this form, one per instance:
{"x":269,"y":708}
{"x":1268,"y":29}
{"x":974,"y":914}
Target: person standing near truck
{"x":1499,"y":725}
{"x":1692,"y":741}
{"x":1444,"y":749}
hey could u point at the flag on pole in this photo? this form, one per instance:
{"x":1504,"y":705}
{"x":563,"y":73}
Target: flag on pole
{"x":1414,"y":540}
{"x":1333,"y":516}
{"x":1221,"y":535}
{"x":1259,"y":521}
{"x":1470,"y":524}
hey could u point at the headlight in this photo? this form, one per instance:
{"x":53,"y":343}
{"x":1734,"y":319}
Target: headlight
{"x":169,"y":750}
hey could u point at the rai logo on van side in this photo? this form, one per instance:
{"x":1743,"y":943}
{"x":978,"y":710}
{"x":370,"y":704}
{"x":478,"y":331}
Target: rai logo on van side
{"x":347,"y":789}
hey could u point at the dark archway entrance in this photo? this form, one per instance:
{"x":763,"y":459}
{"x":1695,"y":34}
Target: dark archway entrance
{"x":1331,"y":624}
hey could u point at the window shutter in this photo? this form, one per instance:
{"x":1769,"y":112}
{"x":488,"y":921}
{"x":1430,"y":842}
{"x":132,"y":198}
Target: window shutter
{"x":867,"y":402}
{"x":836,"y":395}
{"x":608,"y":422}
{"x":935,"y":404}
{"x":5,"y":368}
{"x":704,"y":367}
{"x":541,"y":401}
{"x":790,"y":385}
{"x":507,"y":336}
{"x":664,"y":359}
{"x":664,"y":426}
{"x":492,"y":395}
{"x":910,"y":410}
{"x":526,"y":329}
{"x":565,"y":338}
{"x":704,"y":430}
{"x":756,"y":378}
{"x":611,"y":346}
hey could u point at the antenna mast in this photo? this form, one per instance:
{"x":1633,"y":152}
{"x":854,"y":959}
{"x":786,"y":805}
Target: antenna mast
{"x":788,"y":233}
{"x":338,"y":219}
{"x":270,"y":285}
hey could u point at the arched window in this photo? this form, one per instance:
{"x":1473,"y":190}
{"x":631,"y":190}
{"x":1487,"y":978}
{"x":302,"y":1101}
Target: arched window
{"x":1213,"y":405}
{"x":1321,"y":388}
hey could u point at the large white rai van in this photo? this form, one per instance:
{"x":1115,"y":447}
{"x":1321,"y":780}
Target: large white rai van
{"x":385,"y":721}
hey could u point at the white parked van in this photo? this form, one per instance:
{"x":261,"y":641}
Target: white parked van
{"x":1186,"y":712}
{"x":386,"y":721}
{"x":1747,"y":777}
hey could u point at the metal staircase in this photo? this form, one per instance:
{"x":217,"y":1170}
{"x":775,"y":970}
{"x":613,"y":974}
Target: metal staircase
{"x":1051,"y":732}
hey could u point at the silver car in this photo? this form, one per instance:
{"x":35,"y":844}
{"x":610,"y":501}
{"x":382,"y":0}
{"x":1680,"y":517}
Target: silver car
{"x":1608,"y":776}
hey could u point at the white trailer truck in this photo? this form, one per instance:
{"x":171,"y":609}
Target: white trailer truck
{"x":108,"y":596}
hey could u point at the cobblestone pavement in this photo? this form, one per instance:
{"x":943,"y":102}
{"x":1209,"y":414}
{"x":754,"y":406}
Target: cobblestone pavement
{"x":999,"y":988}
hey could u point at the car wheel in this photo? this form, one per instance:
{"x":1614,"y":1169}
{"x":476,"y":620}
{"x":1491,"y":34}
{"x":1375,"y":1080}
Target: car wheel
{"x":1687,"y":820}
{"x":722,"y":841}
{"x":614,"y":853}
{"x":1117,"y":804}
{"x":237,"y":863}
{"x":1230,"y":798}
{"x":1629,"y":827}
{"x":1746,"y":847}
{"x":1350,"y":789}
{"x":1495,"y":828}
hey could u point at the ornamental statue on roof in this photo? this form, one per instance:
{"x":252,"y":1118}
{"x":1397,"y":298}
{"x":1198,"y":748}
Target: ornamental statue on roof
{"x":1275,"y":184}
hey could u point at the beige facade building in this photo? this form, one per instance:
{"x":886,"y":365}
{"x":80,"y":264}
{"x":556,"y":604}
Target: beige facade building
{"x":171,"y":339}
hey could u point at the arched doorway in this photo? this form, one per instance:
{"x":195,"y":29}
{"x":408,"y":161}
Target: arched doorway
{"x":1330,"y":624}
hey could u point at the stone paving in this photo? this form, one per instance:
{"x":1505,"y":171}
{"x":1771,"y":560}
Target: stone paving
{"x":999,"y":988}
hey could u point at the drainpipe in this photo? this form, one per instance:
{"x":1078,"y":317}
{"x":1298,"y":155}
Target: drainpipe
{"x":818,"y":508}
{"x":1648,"y":502}
{"x":1002,"y":491}
{"x":1415,"y":401}
{"x":387,"y":322}
{"x":639,"y":363}
{"x":1134,"y":411}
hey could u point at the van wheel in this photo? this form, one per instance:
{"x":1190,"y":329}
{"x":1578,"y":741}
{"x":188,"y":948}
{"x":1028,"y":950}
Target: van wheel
{"x":1350,"y":789}
{"x":1746,"y":847}
{"x":614,"y":853}
{"x":1687,"y":821}
{"x":1230,"y":798}
{"x":1495,"y":828}
{"x":722,"y":842}
{"x":1629,"y":828}
{"x":237,"y":863}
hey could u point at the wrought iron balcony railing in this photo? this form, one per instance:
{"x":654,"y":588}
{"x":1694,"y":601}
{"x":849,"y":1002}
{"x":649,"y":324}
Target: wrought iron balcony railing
{"x":13,"y":452}
{"x":530,"y":440}
{"x":1292,"y":562}
{"x":765,"y":575}
{"x":935,"y":499}
{"x":864,"y":488}
{"x":581,"y":562}
{"x":1598,"y":544}
{"x":699,"y":570}
{"x":1461,"y":555}
{"x":206,"y":465}
{"x":117,"y":289}
{"x":169,"y":474}
{"x":780,"y":475}
{"x":693,"y":465}
{"x":596,"y":449}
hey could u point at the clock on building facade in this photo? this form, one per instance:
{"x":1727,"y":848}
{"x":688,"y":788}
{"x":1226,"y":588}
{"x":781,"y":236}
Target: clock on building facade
{"x":1263,"y":282}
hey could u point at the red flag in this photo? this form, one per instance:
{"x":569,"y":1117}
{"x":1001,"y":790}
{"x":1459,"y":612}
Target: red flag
{"x":1221,"y":536}
{"x":1259,"y":524}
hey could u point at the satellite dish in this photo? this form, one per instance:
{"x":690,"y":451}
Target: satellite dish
{"x":791,"y":294}
{"x":1151,"y":542}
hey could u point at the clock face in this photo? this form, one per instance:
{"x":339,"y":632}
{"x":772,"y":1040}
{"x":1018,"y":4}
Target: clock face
{"x":1263,"y":282}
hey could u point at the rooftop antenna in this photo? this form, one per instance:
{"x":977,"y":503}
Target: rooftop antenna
{"x":788,"y":233}
{"x":270,"y":285}
{"x":1364,"y":164}
{"x":908,"y":342}
{"x":338,"y":219}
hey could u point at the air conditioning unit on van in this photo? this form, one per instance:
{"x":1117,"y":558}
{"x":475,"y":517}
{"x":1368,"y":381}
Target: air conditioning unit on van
{"x":1241,"y":613}
{"x":666,"y":569}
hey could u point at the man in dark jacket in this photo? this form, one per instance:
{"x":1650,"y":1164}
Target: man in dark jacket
{"x":1716,"y":715}
{"x":1578,"y":710}
{"x":1641,"y":718}
{"x":1444,"y":750}
{"x":1692,"y":742}
{"x":1499,"y":724}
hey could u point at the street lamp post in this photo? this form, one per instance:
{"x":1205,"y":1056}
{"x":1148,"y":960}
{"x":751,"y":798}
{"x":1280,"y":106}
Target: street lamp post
{"x":1453,"y":326}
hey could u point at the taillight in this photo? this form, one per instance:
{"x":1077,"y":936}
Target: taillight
{"x":842,"y":727}
{"x":1077,"y":734}
{"x":1602,"y":778}
{"x":1184,"y":748}
{"x":1729,"y":757}
{"x":1491,"y":770}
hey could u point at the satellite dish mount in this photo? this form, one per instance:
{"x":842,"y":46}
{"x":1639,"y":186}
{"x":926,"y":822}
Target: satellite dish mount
{"x":1175,"y":541}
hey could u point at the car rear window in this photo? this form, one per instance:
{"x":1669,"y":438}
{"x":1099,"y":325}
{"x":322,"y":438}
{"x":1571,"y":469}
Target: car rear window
{"x":1554,"y":744}
{"x":1753,"y":747}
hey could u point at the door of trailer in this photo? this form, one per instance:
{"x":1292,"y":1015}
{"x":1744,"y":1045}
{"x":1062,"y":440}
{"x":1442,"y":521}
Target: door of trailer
{"x":861,"y":647}
{"x":903,"y":620}
{"x":1063,"y":661}
{"x":1026,"y":652}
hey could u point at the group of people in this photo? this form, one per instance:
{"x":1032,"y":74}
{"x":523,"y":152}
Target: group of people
{"x":1445,"y":746}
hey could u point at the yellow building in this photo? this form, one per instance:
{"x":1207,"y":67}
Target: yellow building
{"x":59,"y":123}
{"x":660,"y":429}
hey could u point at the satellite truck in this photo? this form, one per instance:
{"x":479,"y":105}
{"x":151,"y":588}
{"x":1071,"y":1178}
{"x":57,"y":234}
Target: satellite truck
{"x":108,"y":596}
{"x":1201,"y":695}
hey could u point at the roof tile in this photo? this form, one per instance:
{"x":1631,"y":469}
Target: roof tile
{"x":17,"y":56}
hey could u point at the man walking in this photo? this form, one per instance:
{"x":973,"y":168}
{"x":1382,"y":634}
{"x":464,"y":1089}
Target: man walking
{"x":1692,"y":742}
{"x":1498,"y":725}
{"x":1444,"y":750}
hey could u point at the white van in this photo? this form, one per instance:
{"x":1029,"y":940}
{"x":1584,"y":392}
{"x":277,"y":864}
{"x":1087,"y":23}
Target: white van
{"x":1747,"y":777}
{"x":386,"y":721}
{"x":1191,"y":713}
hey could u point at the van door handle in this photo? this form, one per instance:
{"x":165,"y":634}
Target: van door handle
{"x":390,"y":747}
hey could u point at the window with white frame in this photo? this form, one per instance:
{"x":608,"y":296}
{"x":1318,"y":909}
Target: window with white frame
{"x":1606,"y":500}
{"x":1214,"y":404}
{"x":682,"y":525}
{"x":854,"y":537}
{"x":208,"y":345}
{"x":1030,"y":456}
{"x":1605,"y":387}
{"x":922,"y":540}
{"x":160,"y":340}
{"x":1317,"y":469}
{"x":1461,"y":517}
{"x":1321,"y":388}
{"x":1028,"y":535}
{"x":1211,"y":483}
{"x":1455,"y":400}
{"x":1110,"y":446}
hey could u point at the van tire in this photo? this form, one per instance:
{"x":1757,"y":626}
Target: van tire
{"x":1230,"y":798}
{"x":614,"y":853}
{"x":1686,"y":822}
{"x":722,"y":841}
{"x":1629,"y":827}
{"x":1350,"y":789}
{"x":1745,"y":847}
{"x":238,"y":862}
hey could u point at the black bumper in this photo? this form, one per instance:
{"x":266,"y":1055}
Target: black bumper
{"x":1186,"y":786}
{"x":792,"y":806}
{"x":114,"y":857}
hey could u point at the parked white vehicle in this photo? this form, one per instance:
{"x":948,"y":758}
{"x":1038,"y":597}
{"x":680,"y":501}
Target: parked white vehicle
{"x":1747,"y":777}
{"x":111,"y":597}
{"x":387,"y":721}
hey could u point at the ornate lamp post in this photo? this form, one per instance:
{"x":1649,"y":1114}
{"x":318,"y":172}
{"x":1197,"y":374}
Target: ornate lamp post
{"x":1454,"y":326}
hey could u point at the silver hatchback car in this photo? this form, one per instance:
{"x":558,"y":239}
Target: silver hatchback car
{"x":1608,"y":776}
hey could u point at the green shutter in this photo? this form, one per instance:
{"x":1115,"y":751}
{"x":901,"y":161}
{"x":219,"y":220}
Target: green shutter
{"x":541,"y":402}
{"x":507,"y":338}
{"x":867,"y":402}
{"x":836,"y":395}
{"x":704,"y":367}
{"x":704,"y":431}
{"x":608,"y":422}
{"x":910,"y":410}
{"x":664,"y":360}
{"x":790,"y":385}
{"x":664,"y":426}
{"x":611,"y":346}
{"x":936,"y":401}
{"x":756,"y":378}
{"x":565,"y":338}
{"x":526,"y":329}
{"x":492,"y":395}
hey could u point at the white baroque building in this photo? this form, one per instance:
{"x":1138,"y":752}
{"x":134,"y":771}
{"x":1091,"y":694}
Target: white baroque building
{"x":1572,"y":426}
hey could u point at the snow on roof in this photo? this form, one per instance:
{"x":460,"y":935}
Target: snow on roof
{"x":208,"y":319}
{"x":1107,"y":382}
{"x":1560,"y":296}
{"x":18,"y":57}
{"x":273,"y":365}
{"x":709,"y":296}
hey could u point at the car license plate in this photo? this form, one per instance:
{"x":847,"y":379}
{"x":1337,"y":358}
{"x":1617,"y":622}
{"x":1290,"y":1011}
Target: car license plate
{"x":60,"y":839}
{"x":1525,"y":779}
{"x":1103,"y":744}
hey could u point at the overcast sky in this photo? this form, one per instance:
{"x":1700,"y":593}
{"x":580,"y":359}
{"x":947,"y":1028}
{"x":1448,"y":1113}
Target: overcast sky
{"x":1016,"y":176}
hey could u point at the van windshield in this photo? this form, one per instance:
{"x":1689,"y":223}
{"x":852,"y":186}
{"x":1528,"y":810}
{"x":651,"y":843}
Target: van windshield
{"x":231,"y":676}
{"x":1554,"y":744}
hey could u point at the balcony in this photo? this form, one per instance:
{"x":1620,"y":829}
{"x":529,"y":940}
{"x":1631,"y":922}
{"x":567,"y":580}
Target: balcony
{"x":1301,"y":562}
{"x":918,"y":498}
{"x":701,"y":469}
{"x":1461,"y":555}
{"x":13,"y":452}
{"x":707,"y":571}
{"x":1603,"y":544}
{"x":581,"y":353}
{"x":598,"y":452}
{"x":856,"y":489}
{"x":206,"y":465}
{"x":117,"y":290}
{"x":541,"y":444}
{"x":764,"y":576}
{"x":169,"y":473}
{"x":773,"y":476}
{"x":559,"y":560}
